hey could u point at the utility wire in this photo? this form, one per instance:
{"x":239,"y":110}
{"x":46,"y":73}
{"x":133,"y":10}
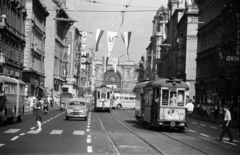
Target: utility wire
{"x":126,"y":6}
{"x":107,"y":11}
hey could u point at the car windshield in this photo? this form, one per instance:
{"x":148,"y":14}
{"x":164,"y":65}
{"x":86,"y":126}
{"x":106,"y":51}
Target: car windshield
{"x":77,"y":103}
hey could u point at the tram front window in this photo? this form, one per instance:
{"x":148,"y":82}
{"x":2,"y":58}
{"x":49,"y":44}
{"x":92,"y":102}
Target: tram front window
{"x":165,"y":97}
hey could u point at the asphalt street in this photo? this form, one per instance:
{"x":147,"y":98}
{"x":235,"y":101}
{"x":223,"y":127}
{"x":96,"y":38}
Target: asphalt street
{"x":110,"y":133}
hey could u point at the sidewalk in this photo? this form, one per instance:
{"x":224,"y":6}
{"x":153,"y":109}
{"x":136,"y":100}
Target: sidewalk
{"x":233,"y":124}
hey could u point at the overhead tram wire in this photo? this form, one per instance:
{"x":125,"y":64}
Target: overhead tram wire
{"x":108,"y":11}
{"x":96,"y":2}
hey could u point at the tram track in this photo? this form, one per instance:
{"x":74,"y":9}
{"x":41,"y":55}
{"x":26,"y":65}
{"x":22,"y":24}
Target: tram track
{"x":171,"y":137}
{"x":118,"y":151}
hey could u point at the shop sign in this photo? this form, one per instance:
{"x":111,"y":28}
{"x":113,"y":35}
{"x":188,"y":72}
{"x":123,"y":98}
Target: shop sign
{"x":83,"y":51}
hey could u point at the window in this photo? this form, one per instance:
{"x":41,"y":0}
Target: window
{"x":108,"y":95}
{"x":98,"y":95}
{"x":125,"y":98}
{"x":165,"y":94}
{"x":131,"y":98}
{"x":180,"y":98}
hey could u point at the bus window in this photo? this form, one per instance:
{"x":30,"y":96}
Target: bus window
{"x":165,"y":97}
{"x":98,"y":95}
{"x":180,"y":98}
{"x":108,"y":95}
{"x":131,"y":98}
{"x":125,"y":98}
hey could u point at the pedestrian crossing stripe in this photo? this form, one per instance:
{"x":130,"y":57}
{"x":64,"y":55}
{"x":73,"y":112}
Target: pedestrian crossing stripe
{"x":56,"y":132}
{"x":12,"y":131}
{"x":78,"y":132}
{"x":33,"y":132}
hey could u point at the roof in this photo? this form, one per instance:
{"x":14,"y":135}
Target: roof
{"x":10,"y":80}
{"x":171,"y":83}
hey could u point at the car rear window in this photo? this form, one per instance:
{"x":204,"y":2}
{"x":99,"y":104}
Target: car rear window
{"x":77,"y":103}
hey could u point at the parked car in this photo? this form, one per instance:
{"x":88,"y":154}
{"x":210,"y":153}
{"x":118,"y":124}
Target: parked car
{"x":76,"y":108}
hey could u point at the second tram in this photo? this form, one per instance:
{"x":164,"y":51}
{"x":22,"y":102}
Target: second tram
{"x":102,"y":98}
{"x":161,"y":103}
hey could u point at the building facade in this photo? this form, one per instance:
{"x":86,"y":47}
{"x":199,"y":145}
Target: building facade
{"x":34,"y":52}
{"x":123,"y":80}
{"x":218,"y":52}
{"x":72,"y":61}
{"x":12,"y":37}
{"x":57,"y":25}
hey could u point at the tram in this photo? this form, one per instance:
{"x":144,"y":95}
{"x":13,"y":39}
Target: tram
{"x":12,"y":100}
{"x":102,"y":98}
{"x":161,"y":103}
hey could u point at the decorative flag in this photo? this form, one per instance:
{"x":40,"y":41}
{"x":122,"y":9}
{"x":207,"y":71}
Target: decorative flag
{"x":115,"y":63}
{"x":105,"y":63}
{"x":126,"y":39}
{"x":99,"y":34}
{"x":111,"y":37}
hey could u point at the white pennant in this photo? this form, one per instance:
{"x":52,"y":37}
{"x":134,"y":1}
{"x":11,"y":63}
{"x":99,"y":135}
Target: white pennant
{"x":115,"y":63}
{"x":111,"y":37}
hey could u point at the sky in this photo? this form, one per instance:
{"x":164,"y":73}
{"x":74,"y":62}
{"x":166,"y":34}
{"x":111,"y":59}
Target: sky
{"x":138,"y":22}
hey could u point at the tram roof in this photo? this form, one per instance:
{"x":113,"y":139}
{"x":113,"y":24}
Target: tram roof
{"x":171,"y":83}
{"x":10,"y":80}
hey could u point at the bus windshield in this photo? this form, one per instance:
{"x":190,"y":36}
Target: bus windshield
{"x":66,"y":95}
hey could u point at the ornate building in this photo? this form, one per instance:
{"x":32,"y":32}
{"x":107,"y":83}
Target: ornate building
{"x":12,"y":37}
{"x":218,"y":52}
{"x":124,"y":80}
{"x":35,"y":26}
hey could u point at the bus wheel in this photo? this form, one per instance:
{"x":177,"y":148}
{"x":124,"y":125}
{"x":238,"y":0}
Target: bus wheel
{"x":20,"y":118}
{"x":2,"y":119}
{"x":119,"y":106}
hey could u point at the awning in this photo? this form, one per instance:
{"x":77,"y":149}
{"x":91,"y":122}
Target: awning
{"x":64,"y":19}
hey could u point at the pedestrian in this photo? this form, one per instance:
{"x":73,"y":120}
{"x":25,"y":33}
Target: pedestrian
{"x":226,"y":126}
{"x":189,"y":109}
{"x":38,"y":112}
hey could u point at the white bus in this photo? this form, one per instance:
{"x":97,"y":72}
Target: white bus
{"x":123,"y":101}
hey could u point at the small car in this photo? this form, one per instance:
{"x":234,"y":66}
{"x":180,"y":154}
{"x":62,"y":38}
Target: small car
{"x":76,"y":108}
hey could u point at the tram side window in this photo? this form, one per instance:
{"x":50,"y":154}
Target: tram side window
{"x":108,"y":95}
{"x":98,"y":95}
{"x":165,"y":94}
{"x":180,"y":98}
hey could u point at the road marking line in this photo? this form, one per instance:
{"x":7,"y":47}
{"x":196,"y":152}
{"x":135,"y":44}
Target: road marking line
{"x":191,"y":131}
{"x":14,"y":138}
{"x":213,"y":127}
{"x":78,"y":132}
{"x":88,"y":130}
{"x":88,"y":123}
{"x":12,"y":131}
{"x":88,"y":126}
{"x":89,"y":149}
{"x":1,"y":145}
{"x":32,"y":128}
{"x":56,"y":132}
{"x":89,"y":140}
{"x":89,"y":136}
{"x":229,"y":142}
{"x":202,"y":125}
{"x":204,"y":135}
{"x":226,"y":139}
{"x":194,"y":122}
{"x":22,"y":134}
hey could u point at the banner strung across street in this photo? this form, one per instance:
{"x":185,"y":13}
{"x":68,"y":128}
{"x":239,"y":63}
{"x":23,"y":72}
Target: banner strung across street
{"x":99,"y":34}
{"x":126,"y":39}
{"x":111,"y":37}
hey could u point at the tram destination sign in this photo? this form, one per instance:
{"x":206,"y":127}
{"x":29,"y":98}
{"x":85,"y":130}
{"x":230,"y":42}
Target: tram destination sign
{"x":232,"y":58}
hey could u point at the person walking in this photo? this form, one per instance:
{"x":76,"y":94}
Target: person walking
{"x":226,"y":127}
{"x":190,"y":108}
{"x":38,"y":113}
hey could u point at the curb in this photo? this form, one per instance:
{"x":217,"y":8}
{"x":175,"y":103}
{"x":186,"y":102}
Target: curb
{"x":215,"y":122}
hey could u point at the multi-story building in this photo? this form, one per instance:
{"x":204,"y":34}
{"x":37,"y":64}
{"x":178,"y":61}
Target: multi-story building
{"x":35,"y":26}
{"x":178,"y":51}
{"x":72,"y":63}
{"x":218,"y":52}
{"x":12,"y":37}
{"x":57,"y":25}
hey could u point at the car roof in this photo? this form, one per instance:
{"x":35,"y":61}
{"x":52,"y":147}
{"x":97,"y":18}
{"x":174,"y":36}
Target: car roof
{"x":77,"y":99}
